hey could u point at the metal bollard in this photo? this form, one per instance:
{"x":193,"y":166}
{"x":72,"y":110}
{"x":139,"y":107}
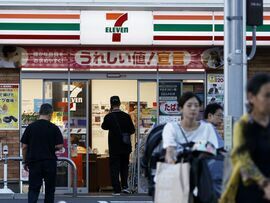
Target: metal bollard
{"x":74,"y":173}
{"x":74,"y":167}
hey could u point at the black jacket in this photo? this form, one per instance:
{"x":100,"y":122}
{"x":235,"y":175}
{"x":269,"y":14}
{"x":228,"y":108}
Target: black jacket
{"x":116,"y":145}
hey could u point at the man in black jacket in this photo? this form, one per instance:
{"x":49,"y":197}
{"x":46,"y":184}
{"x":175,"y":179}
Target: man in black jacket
{"x":118,"y":122}
{"x":40,"y":141}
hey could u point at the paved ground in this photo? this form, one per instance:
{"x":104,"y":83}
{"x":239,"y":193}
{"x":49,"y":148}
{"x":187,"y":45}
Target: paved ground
{"x":83,"y":199}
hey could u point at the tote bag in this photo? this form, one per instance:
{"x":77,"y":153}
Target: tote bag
{"x":172,"y":183}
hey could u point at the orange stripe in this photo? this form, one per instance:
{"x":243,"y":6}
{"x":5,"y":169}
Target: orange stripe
{"x":219,"y":17}
{"x":222,"y":17}
{"x":113,"y":16}
{"x":42,"y":16}
{"x":266,"y":17}
{"x":180,"y":17}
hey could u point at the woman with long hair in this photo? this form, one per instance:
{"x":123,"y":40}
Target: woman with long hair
{"x":250,"y":177}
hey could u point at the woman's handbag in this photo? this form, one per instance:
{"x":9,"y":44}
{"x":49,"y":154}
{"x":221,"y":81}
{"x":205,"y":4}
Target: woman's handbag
{"x":172,"y":183}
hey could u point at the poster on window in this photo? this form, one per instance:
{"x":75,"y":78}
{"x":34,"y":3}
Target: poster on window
{"x":9,"y":106}
{"x":169,"y":93}
{"x":11,"y":56}
{"x":215,"y":89}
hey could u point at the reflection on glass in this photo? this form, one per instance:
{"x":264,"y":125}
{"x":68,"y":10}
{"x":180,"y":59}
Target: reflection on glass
{"x":78,"y":129}
{"x":148,"y":118}
{"x":31,"y":100}
{"x":57,"y":93}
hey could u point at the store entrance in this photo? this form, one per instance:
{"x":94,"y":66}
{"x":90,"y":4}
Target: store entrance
{"x":101,"y":91}
{"x":85,"y":142}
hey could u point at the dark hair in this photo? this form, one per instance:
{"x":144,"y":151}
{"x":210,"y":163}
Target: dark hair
{"x":257,"y":81}
{"x":249,"y":131}
{"x":46,"y":109}
{"x":115,"y":101}
{"x":254,"y":85}
{"x":185,"y":97}
{"x":211,"y":108}
{"x":8,"y":49}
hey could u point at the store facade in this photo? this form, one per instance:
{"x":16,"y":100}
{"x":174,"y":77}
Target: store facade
{"x":77,"y":59}
{"x":144,"y":76}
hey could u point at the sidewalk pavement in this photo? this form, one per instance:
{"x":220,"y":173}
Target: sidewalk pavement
{"x":134,"y":198}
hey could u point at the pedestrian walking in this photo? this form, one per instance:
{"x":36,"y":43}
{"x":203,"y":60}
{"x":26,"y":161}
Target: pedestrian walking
{"x":187,"y":143}
{"x":250,"y":176}
{"x":40,"y":141}
{"x":195,"y":131}
{"x":213,"y":114}
{"x":120,"y":128}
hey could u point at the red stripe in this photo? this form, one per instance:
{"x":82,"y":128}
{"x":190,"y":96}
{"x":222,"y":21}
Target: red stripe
{"x":116,"y":37}
{"x":182,"y":37}
{"x":52,"y":37}
{"x":249,"y":38}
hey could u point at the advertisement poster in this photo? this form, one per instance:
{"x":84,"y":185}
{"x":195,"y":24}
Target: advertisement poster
{"x":169,"y":93}
{"x":180,"y":60}
{"x":10,"y":56}
{"x":215,"y":89}
{"x":9,"y":106}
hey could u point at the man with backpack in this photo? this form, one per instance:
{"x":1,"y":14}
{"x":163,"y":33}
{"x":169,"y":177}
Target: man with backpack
{"x":120,"y":128}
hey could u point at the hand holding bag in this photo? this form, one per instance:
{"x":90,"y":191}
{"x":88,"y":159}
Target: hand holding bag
{"x":172,"y":183}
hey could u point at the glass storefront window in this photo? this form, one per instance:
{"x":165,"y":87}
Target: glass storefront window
{"x":147,"y":119}
{"x":57,"y":93}
{"x":78,"y":129}
{"x":31,"y":100}
{"x":54,"y":93}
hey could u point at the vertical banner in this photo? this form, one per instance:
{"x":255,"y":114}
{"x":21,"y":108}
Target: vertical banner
{"x":169,"y":93}
{"x":215,"y":89}
{"x":9,"y":106}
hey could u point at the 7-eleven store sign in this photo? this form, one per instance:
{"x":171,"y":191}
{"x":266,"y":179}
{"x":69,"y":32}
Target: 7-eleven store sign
{"x":116,"y":27}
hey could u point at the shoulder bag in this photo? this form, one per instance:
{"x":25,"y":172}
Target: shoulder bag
{"x":125,"y":136}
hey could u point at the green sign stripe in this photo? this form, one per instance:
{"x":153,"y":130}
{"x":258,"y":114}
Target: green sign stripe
{"x":263,"y":28}
{"x":182,"y":27}
{"x":219,"y":28}
{"x":40,"y":26}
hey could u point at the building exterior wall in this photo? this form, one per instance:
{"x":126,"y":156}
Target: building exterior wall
{"x":260,"y":63}
{"x":11,"y":137}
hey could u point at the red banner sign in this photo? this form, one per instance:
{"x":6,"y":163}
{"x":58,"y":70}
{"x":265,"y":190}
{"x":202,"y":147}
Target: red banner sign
{"x":184,"y":59}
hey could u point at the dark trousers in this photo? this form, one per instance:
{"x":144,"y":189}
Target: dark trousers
{"x":42,"y":170}
{"x":119,"y":166}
